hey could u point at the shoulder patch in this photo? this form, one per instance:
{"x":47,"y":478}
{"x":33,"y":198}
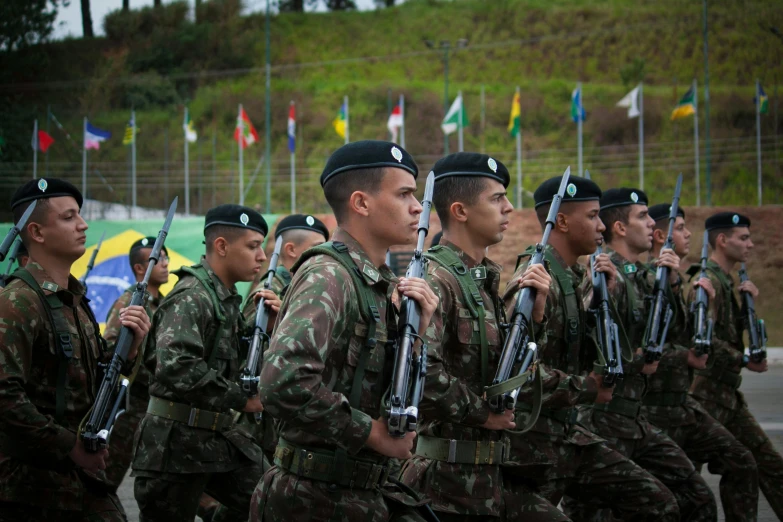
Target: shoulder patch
{"x":629,"y":268}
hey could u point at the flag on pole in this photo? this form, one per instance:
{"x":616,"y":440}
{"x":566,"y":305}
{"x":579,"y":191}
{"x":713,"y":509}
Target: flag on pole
{"x":451,"y":122}
{"x":129,"y":131}
{"x":686,"y":106}
{"x":340,"y":123}
{"x":395,"y":122}
{"x":292,"y":128}
{"x":515,"y":118}
{"x":631,"y":102}
{"x":93,"y":136}
{"x":577,"y":110}
{"x":41,"y":141}
{"x":245,"y":133}
{"x":764,"y":107}
{"x":190,"y":133}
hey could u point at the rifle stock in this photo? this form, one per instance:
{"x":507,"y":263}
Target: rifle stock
{"x":757,"y":330}
{"x":702,"y":331}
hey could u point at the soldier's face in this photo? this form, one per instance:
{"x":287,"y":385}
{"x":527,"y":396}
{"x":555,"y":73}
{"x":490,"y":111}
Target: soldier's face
{"x":639,"y":230}
{"x":682,"y":237}
{"x":584,"y":226}
{"x":244,"y":255}
{"x":62,"y":232}
{"x":488,"y":216}
{"x":738,"y":244}
{"x":394,"y":211}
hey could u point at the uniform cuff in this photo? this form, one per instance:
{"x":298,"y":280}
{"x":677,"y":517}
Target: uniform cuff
{"x":588,"y":391}
{"x":477,"y":416}
{"x":64,"y":442}
{"x":235,"y":399}
{"x":357,"y":432}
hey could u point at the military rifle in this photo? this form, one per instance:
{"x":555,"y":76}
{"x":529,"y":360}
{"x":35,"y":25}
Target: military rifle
{"x":15,"y":230}
{"x":606,"y":328}
{"x":702,"y":338}
{"x":91,"y":263}
{"x":757,"y":330}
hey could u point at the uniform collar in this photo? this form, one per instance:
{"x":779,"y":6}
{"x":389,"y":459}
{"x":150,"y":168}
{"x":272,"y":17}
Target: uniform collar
{"x":371,"y":274}
{"x":223,"y":292}
{"x":283,"y":275}
{"x":576,"y":268}
{"x":469,"y":261}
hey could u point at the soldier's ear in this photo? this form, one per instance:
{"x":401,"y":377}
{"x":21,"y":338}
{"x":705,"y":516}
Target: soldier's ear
{"x":358,"y":202}
{"x":220,"y":246}
{"x":618,"y":229}
{"x":289,"y":249}
{"x":458,"y":212}
{"x":659,"y":236}
{"x":34,"y":232}
{"x":561,"y":222}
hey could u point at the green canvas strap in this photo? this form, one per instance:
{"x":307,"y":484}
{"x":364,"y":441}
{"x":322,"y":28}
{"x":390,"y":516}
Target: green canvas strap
{"x":727,"y":291}
{"x":571,"y":333}
{"x":200,"y":273}
{"x":538,"y":400}
{"x":453,"y":451}
{"x":448,"y":259}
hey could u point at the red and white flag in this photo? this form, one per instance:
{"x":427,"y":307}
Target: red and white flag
{"x":245,"y":133}
{"x":395,"y":122}
{"x":41,"y":141}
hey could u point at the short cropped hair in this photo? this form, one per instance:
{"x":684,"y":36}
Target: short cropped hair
{"x":338,"y":189}
{"x":228,"y":233}
{"x":610,"y":215}
{"x":712,"y":235}
{"x":38,"y":216}
{"x":456,"y":189}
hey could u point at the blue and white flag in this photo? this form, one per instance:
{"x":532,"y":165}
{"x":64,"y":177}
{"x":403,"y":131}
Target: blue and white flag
{"x":577,"y":110}
{"x":93,"y":136}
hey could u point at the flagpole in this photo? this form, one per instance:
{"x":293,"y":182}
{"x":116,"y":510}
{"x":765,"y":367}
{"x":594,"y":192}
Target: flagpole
{"x":579,"y":126}
{"x":35,"y":149}
{"x":758,"y":139}
{"x":133,"y":163}
{"x":187,"y":168}
{"x":696,"y":141}
{"x":483,"y":119}
{"x":293,"y":174}
{"x":347,"y":122}
{"x":641,"y":136}
{"x":519,"y":162}
{"x":84,"y":158}
{"x":402,"y":127}
{"x":46,"y":157}
{"x":241,"y":125}
{"x":459,"y":123}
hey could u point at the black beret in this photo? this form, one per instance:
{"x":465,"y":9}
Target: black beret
{"x":303,"y":222}
{"x":622,"y":197}
{"x":726,"y":220}
{"x":661,"y":211}
{"x":45,"y":188}
{"x":578,"y":189}
{"x":436,"y":239}
{"x":145,"y":242}
{"x":368,"y":154}
{"x":471,"y":164}
{"x":236,"y":216}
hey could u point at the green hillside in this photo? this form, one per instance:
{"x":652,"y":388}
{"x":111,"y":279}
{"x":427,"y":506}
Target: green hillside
{"x":158,"y":60}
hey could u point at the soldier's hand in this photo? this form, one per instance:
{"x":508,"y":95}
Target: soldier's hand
{"x":253,"y":405}
{"x":136,"y":318}
{"x":697,"y":362}
{"x":383,"y":443}
{"x":537,"y":278}
{"x":706,"y":284}
{"x":89,"y":461}
{"x":604,"y":392}
{"x":420,"y":291}
{"x":758,"y":367}
{"x":272,"y":302}
{"x":500,"y":421}
{"x":671,"y":260}
{"x":749,"y":287}
{"x":650,"y":368}
{"x":603,"y":263}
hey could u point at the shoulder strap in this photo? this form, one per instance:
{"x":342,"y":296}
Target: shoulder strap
{"x":529,"y":251}
{"x":727,"y":291}
{"x":566,"y":284}
{"x":200,"y":273}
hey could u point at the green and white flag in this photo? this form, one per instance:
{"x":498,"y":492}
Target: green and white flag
{"x":187,"y":126}
{"x":451,"y":123}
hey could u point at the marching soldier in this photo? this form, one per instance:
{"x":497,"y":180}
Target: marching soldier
{"x":50,"y":348}
{"x":328,"y":365}
{"x":717,"y":386}
{"x":188,"y":442}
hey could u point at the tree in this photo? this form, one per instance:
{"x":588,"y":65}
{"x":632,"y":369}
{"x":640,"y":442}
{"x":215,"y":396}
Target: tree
{"x":157,"y":3}
{"x":26,"y":22}
{"x":125,"y":6}
{"x":86,"y":20}
{"x":384,"y":3}
{"x":290,"y":6}
{"x":340,"y":5}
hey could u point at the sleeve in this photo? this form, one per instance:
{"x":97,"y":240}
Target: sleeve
{"x":723,"y":353}
{"x":446,"y":397}
{"x":22,"y":423}
{"x":113,"y":325}
{"x":319,"y":304}
{"x":680,"y":334}
{"x":180,"y":335}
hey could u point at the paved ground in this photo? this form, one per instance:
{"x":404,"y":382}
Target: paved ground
{"x":762,"y":391}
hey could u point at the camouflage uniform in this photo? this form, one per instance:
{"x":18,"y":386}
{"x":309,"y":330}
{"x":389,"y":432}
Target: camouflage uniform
{"x":669,"y":407}
{"x":557,"y":455}
{"x":281,"y":279}
{"x":453,"y":407}
{"x":622,"y":423}
{"x":187,"y":442}
{"x":717,"y":387}
{"x":125,"y":428}
{"x":38,"y":481}
{"x":323,"y":378}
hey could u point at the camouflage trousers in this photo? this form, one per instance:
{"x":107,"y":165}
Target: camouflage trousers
{"x":598,"y":477}
{"x":284,"y":496}
{"x":661,"y":457}
{"x":741,"y":423}
{"x":708,"y":441}
{"x":174,"y":497}
{"x":121,"y":441}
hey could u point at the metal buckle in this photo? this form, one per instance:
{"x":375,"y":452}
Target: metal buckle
{"x":193,"y":417}
{"x":452,"y":458}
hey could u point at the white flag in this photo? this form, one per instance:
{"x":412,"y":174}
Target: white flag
{"x":451,"y":122}
{"x":631,"y":102}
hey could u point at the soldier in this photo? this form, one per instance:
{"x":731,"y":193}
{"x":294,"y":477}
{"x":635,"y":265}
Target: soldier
{"x":629,"y":232}
{"x":461,"y":447}
{"x":329,"y":362}
{"x":558,"y":456}
{"x":50,"y":347}
{"x":188,"y":442}
{"x":125,"y":427}
{"x":668,"y":406}
{"x":717,"y":386}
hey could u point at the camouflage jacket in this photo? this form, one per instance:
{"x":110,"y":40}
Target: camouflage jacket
{"x":281,"y":279}
{"x":308,"y":371}
{"x":34,"y":447}
{"x":727,"y":344}
{"x":184,"y":330}
{"x":111,"y":333}
{"x":453,"y":406}
{"x":564,"y":369}
{"x":634,"y":282}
